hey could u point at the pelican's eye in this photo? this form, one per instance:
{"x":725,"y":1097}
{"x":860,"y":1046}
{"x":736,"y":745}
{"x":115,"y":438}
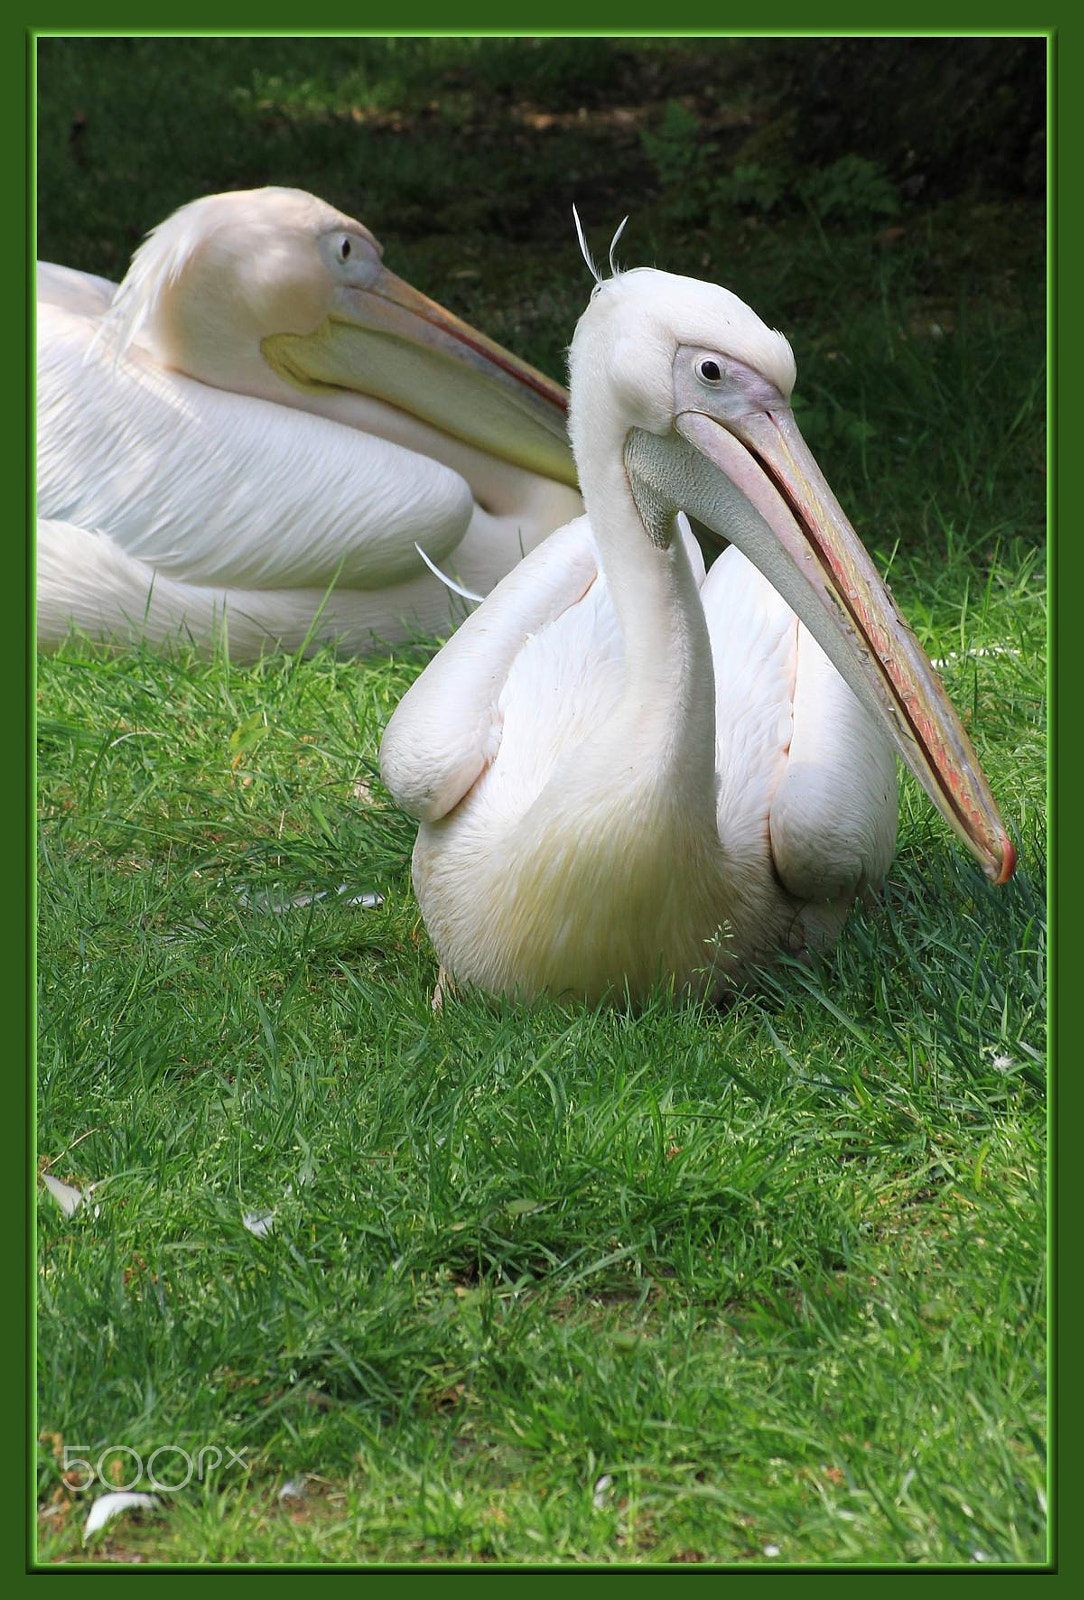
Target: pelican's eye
{"x":344,"y":249}
{"x":708,"y":371}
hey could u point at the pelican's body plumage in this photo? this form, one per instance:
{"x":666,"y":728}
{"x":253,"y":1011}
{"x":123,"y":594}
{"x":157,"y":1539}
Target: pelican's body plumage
{"x":260,"y":426}
{"x":626,"y":771}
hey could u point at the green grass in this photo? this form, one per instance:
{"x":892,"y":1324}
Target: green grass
{"x":776,"y":1271}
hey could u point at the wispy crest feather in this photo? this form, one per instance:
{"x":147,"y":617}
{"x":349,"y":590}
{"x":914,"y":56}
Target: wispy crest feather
{"x":592,"y":269}
{"x":615,"y":270}
{"x":154,"y":269}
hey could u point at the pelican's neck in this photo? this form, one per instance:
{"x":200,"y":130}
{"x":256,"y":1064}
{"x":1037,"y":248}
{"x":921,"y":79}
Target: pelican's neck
{"x":670,"y":689}
{"x":191,"y":335}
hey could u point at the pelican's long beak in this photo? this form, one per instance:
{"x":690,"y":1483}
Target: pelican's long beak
{"x":805,"y":546}
{"x":387,"y":340}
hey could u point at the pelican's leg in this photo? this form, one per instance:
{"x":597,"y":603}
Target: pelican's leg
{"x":444,"y":990}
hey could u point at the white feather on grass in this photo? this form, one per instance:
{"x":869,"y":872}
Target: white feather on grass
{"x":66,"y":1195}
{"x":980,"y":650}
{"x":108,"y":1506}
{"x":261,"y":901}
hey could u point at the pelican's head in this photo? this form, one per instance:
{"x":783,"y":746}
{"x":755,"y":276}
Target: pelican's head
{"x":690,"y":390}
{"x":235,"y":287}
{"x":642,"y":334}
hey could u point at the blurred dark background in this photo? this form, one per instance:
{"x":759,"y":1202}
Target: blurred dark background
{"x":881,"y":200}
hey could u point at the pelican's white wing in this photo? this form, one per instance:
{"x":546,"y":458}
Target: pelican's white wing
{"x":224,"y":490}
{"x":533,"y":673}
{"x":447,"y":728}
{"x":82,"y":292}
{"x":834,"y":815}
{"x":86,"y":582}
{"x":807,"y":782}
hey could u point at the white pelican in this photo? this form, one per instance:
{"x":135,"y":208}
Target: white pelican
{"x":625,"y":770}
{"x":263,"y":410}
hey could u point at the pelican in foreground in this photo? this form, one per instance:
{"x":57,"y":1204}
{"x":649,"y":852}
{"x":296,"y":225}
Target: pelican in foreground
{"x":262,"y":413}
{"x":628,"y":771}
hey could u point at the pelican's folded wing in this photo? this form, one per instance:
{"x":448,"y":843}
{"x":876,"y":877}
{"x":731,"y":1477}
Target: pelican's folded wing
{"x":81,"y":292}
{"x":87,"y":583}
{"x":833,"y":820}
{"x":225,"y":490}
{"x":807,"y":788}
{"x":446,"y":729}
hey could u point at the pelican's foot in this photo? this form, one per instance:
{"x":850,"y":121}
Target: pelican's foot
{"x":445,"y":989}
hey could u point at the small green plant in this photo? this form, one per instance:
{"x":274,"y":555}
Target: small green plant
{"x":751,"y":186}
{"x":852,"y":186}
{"x":685,"y":165}
{"x":694,"y":177}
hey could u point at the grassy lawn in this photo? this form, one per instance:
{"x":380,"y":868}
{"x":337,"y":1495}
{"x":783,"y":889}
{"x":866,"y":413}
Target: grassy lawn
{"x":544,"y":1285}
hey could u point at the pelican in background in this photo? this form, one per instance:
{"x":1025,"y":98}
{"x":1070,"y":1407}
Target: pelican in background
{"x":261,"y":413}
{"x":628,"y":771}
